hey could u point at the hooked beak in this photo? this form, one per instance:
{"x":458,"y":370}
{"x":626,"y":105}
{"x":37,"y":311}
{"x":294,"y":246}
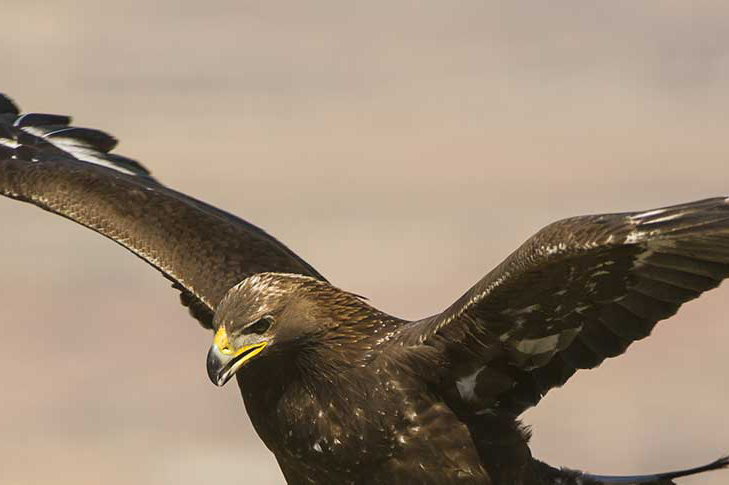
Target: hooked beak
{"x":223,"y":362}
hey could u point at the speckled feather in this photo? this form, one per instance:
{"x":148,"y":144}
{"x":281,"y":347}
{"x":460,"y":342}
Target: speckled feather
{"x":577,"y":292}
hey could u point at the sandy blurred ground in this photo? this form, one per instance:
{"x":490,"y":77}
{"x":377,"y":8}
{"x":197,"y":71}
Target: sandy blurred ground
{"x":403,"y":149}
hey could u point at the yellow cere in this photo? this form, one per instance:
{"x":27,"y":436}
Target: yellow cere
{"x":221,"y":341}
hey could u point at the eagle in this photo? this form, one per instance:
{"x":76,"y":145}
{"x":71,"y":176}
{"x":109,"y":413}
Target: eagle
{"x":343,"y":393}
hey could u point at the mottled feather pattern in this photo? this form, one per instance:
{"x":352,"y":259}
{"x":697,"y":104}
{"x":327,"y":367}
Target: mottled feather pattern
{"x":579,"y":291}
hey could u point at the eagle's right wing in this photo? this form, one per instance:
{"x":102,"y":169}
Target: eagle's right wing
{"x":69,"y":171}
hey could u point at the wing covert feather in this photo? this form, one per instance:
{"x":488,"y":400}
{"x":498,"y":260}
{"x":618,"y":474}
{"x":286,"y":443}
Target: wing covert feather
{"x":578,"y":291}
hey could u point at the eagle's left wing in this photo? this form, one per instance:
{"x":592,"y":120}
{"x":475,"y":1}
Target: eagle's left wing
{"x":579,"y":291}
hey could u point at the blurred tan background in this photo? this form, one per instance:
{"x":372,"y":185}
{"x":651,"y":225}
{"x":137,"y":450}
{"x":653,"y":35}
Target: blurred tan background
{"x":403,"y":148}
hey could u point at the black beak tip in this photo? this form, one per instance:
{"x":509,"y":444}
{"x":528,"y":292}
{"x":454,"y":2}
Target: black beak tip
{"x":214,"y":367}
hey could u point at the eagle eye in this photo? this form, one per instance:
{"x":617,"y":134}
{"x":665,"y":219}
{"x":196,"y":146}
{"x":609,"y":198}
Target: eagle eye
{"x":259,"y":327}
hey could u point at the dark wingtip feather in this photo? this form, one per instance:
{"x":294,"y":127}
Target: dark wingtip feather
{"x":127,"y":164}
{"x":7,"y":106}
{"x":41,"y":119}
{"x":97,"y":139}
{"x":719,"y":464}
{"x":5,"y":132}
{"x":722,"y":462}
{"x":35,"y":136}
{"x":6,"y":152}
{"x":659,"y":478}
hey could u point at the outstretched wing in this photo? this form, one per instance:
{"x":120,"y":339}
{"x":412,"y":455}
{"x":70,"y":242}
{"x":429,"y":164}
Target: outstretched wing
{"x":579,"y":291}
{"x":70,"y":171}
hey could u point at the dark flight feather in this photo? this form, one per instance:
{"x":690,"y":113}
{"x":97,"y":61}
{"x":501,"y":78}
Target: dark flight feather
{"x":202,"y":250}
{"x":40,"y":119}
{"x":579,"y":291}
{"x":658,"y":478}
{"x":7,"y":106}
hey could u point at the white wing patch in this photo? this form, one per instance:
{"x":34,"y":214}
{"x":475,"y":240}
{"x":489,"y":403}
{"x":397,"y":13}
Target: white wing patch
{"x":664,"y":218}
{"x":557,"y":248}
{"x":467,"y":385}
{"x":538,"y":345}
{"x":9,"y":143}
{"x":644,"y":215}
{"x":648,"y":218}
{"x":521,"y":311}
{"x":634,"y":237}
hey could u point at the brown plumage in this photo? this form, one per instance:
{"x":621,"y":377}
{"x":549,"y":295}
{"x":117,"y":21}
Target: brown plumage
{"x":343,"y":393}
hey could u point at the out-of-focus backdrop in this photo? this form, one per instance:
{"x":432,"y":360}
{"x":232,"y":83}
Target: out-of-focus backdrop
{"x":402,"y":148}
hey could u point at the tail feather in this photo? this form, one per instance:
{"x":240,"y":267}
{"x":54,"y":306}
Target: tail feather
{"x":657,"y":478}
